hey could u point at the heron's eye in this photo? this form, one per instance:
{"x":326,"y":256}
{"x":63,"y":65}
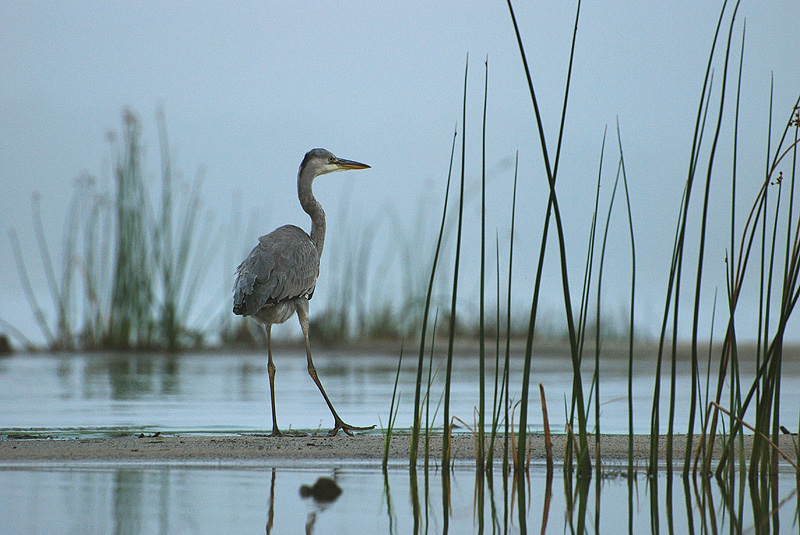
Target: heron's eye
{"x":331,"y":159}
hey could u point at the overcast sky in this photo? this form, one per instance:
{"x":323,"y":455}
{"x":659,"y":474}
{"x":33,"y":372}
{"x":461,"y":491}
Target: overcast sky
{"x":248,"y":88}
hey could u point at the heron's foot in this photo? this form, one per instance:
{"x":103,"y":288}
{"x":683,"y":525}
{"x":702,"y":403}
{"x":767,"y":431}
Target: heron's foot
{"x":347,"y":428}
{"x":276,"y":432}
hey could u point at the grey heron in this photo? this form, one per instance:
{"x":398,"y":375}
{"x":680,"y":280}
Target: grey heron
{"x":278,"y":277}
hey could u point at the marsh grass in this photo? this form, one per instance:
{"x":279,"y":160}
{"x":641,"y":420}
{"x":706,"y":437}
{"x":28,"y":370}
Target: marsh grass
{"x":130,"y":314}
{"x":452,"y":327}
{"x":480,"y":454}
{"x":674,"y":281}
{"x":415,"y":431}
{"x":28,"y":289}
{"x":131,"y":268}
{"x":379,"y":292}
{"x":676,"y":505}
{"x":507,"y":357}
{"x":394,"y":409}
{"x":770,"y":237}
{"x":757,"y":232}
{"x":429,"y":418}
{"x":131,"y":272}
{"x":767,"y":374}
{"x":584,"y":464}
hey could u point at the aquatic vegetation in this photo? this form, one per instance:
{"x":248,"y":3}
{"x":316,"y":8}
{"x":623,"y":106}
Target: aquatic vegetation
{"x":773,"y":242}
{"x":129,"y":272}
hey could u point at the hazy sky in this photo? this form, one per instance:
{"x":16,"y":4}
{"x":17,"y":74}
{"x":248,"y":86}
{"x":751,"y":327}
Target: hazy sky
{"x":248,"y":88}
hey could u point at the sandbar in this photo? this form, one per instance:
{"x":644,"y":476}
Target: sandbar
{"x":368,"y":449}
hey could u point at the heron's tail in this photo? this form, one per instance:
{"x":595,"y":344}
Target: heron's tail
{"x":242,"y":289}
{"x":240,"y":302}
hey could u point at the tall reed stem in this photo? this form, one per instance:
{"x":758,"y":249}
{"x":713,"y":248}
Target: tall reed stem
{"x":454,"y":301}
{"x":415,"y":430}
{"x":674,"y":280}
{"x":584,"y":463}
{"x":480,"y":453}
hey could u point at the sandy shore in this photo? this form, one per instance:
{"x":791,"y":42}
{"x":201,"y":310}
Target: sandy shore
{"x":232,"y":449}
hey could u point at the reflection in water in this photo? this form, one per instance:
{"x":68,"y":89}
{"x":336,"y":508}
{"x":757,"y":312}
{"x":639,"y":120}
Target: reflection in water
{"x":271,"y":502}
{"x":687,"y":497}
{"x":548,"y":493}
{"x":415,"y":506}
{"x":709,"y":506}
{"x":654,"y":512}
{"x":388,"y":496}
{"x":96,"y":393}
{"x":323,"y":492}
{"x":128,"y":501}
{"x":174,"y":499}
{"x":446,"y":502}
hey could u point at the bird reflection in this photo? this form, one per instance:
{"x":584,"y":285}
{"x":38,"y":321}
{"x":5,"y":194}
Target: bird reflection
{"x":271,"y":510}
{"x":323,"y":492}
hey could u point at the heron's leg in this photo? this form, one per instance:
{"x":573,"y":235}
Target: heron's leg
{"x":302,"y":315}
{"x":271,"y":370}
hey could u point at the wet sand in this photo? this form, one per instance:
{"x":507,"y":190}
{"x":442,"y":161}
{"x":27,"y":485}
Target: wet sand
{"x":369,"y":449}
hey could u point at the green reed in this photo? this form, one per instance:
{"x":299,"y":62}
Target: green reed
{"x":429,"y":418}
{"x":584,"y":463}
{"x":133,"y":274}
{"x":454,"y":295}
{"x":766,"y":272}
{"x":597,"y":323}
{"x":38,"y":313}
{"x":735,"y":390}
{"x":480,"y":454}
{"x":761,"y":235}
{"x":796,"y":121}
{"x":183,"y":263}
{"x":768,"y":370}
{"x":632,"y":319}
{"x":768,"y":367}
{"x":675,"y":275}
{"x":507,"y":356}
{"x":498,"y":383}
{"x":415,"y":430}
{"x":701,"y":247}
{"x":61,"y":292}
{"x":394,"y":410}
{"x":130,"y":321}
{"x":583,"y":311}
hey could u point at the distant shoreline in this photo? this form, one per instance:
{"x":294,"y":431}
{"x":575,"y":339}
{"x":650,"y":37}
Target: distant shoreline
{"x":224,"y":450}
{"x":464,"y":347}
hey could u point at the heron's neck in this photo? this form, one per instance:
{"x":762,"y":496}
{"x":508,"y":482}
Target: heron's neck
{"x":313,"y":208}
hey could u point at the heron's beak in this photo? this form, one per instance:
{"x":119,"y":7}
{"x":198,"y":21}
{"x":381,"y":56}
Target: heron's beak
{"x":345,"y":165}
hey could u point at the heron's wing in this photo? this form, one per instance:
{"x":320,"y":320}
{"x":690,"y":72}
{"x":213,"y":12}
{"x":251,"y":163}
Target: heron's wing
{"x":284,"y":265}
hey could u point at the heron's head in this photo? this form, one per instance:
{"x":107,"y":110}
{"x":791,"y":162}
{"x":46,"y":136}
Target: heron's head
{"x":321,"y":161}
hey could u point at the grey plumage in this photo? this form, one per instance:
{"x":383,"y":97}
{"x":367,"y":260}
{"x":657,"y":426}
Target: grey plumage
{"x":279,"y":276}
{"x":284,"y":265}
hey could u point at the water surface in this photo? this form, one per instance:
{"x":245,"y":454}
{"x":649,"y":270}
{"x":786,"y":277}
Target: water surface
{"x":90,"y":394}
{"x":66,"y":395}
{"x":86,"y":499}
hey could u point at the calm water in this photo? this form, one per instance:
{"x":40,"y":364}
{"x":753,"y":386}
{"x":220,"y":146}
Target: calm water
{"x":67,"y":394}
{"x":87,"y":499}
{"x":87,"y":395}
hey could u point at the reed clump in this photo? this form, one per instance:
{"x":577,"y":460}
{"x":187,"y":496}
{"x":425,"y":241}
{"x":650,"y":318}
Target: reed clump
{"x":765,"y":255}
{"x":131,"y":269}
